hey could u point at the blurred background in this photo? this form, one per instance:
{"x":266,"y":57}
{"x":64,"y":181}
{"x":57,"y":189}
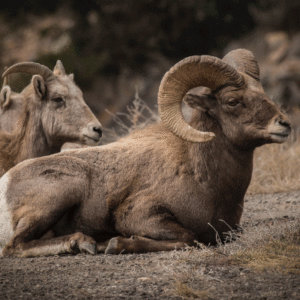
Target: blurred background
{"x":116,"y":48}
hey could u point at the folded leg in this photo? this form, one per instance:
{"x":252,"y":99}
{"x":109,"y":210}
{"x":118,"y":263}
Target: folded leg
{"x":35,"y":211}
{"x":167,"y":236}
{"x":68,"y":244}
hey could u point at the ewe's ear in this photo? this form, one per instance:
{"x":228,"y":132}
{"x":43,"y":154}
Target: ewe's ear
{"x":59,"y":69}
{"x":5,"y":96}
{"x":203,"y":100}
{"x":39,"y":85}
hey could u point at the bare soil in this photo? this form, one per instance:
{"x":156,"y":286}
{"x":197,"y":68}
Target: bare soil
{"x":164,"y":275}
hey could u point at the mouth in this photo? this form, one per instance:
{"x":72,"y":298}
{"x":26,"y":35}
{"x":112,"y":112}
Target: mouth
{"x":92,"y":140}
{"x":279,"y":137}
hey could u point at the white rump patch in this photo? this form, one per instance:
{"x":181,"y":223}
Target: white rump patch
{"x":6,"y":231}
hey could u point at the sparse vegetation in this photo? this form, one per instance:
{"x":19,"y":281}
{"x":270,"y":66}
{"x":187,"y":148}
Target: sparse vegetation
{"x":273,"y":249}
{"x":183,"y":290}
{"x":279,"y":250}
{"x":138,"y":116}
{"x":276,"y":168}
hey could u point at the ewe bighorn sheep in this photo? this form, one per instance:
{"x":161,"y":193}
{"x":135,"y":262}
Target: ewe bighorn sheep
{"x":159,"y":188}
{"x":53,"y":113}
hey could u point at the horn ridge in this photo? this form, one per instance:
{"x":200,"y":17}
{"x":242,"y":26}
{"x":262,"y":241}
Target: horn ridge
{"x":243,"y":61}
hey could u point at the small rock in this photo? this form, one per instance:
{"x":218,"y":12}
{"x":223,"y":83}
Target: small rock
{"x":144,"y":279}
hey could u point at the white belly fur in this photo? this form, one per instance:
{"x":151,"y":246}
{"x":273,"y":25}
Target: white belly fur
{"x":6,"y":231}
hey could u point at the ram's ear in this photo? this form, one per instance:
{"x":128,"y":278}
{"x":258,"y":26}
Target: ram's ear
{"x":5,"y":96}
{"x":203,"y":100}
{"x":39,"y":85}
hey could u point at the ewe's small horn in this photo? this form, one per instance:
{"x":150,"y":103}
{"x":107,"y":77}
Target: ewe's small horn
{"x":243,"y":61}
{"x":31,"y":68}
{"x":191,"y":72}
{"x":59,"y":69}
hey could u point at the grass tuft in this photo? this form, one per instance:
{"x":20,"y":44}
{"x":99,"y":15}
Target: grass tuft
{"x":277,"y":249}
{"x":183,"y":290}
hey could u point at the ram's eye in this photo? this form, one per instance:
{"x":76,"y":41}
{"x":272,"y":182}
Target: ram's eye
{"x":233,"y":102}
{"x":58,"y":100}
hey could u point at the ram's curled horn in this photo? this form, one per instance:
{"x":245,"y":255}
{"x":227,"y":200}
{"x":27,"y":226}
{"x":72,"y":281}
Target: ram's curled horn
{"x":192,"y":72}
{"x":31,"y":68}
{"x":243,"y":61}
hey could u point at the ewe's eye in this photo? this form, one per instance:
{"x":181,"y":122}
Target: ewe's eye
{"x":233,"y":102}
{"x":58,"y":100}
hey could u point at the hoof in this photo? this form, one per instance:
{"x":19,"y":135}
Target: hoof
{"x":89,"y":248}
{"x":82,"y":243}
{"x":6,"y":252}
{"x":114,"y":246}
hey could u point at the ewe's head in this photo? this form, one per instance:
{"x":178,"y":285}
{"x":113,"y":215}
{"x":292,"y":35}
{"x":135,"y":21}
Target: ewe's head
{"x":234,"y":97}
{"x":64,"y":115}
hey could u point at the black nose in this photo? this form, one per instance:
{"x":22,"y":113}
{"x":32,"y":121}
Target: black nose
{"x":98,"y":130}
{"x":285,"y":123}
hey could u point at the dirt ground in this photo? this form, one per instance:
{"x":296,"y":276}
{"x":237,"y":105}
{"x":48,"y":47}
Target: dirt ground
{"x":165,"y":275}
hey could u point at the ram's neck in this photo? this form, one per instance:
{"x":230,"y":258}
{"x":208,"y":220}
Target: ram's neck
{"x":219,"y":162}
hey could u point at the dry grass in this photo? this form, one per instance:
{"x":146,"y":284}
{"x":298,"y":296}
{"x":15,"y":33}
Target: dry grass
{"x":273,"y":247}
{"x":275,"y":255}
{"x":198,"y":272}
{"x":138,"y":116}
{"x":261,"y":248}
{"x":183,"y":290}
{"x":276,"y":168}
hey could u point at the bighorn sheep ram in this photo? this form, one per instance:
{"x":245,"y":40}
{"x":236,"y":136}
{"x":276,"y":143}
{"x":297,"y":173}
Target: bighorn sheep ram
{"x":160,"y":188}
{"x":53,"y":112}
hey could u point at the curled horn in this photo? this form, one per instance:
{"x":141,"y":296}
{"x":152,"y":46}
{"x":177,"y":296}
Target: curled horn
{"x":191,"y":72}
{"x":243,"y":61}
{"x":31,"y":68}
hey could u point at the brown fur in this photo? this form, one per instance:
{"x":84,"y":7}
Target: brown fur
{"x":44,"y":124}
{"x":11,"y":105}
{"x":150,"y":191}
